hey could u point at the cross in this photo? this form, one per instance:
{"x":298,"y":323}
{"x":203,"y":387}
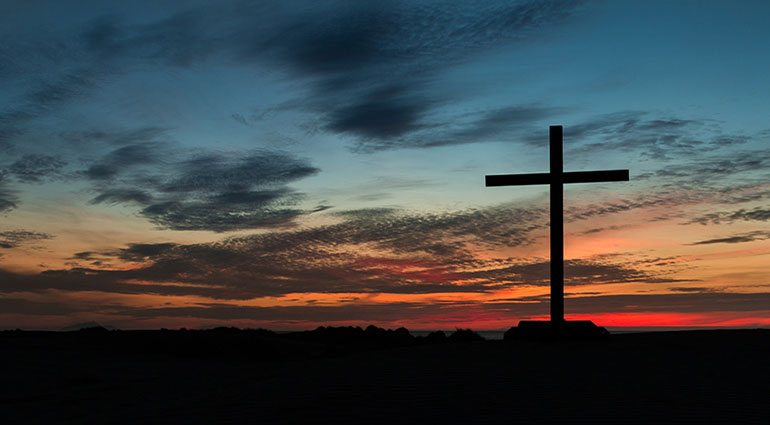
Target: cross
{"x":556,"y":179}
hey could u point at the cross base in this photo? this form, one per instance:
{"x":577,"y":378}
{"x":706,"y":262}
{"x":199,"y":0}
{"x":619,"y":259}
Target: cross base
{"x":550,"y":331}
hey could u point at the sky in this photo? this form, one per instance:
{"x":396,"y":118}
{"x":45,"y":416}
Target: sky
{"x":291,"y":164}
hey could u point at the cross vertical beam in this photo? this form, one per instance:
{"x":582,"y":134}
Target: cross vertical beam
{"x":557,"y":224}
{"x":556,"y":179}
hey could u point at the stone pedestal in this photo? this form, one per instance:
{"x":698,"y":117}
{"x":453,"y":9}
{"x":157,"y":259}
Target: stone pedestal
{"x":547,"y":330}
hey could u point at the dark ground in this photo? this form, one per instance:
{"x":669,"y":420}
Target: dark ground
{"x":121,"y":377}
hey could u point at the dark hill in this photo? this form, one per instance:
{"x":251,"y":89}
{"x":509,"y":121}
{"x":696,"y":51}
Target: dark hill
{"x":354,"y":375}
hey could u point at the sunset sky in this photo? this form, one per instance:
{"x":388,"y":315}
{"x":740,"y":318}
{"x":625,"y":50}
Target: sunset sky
{"x":290,"y":164}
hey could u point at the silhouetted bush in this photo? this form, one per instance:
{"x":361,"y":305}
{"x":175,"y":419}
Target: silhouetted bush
{"x":94,"y":330}
{"x":436,"y":337}
{"x":371,"y":337}
{"x":465,"y":335}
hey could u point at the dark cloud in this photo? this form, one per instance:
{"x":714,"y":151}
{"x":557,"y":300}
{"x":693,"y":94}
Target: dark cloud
{"x":83,"y":255}
{"x":696,"y":302}
{"x":384,"y":114}
{"x":182,"y":39}
{"x":342,"y":41}
{"x":126,"y":157}
{"x":576,"y":272}
{"x":34,"y":168}
{"x":691,"y":289}
{"x":746,"y":237}
{"x":658,"y":139}
{"x":14,"y":238}
{"x":8,"y":199}
{"x":349,"y":39}
{"x":217,"y":216}
{"x":121,"y":196}
{"x":513,"y":122}
{"x":601,"y":229}
{"x":757,"y":214}
{"x":135,"y":136}
{"x":55,"y":93}
{"x":144,"y":251}
{"x":205,"y":191}
{"x":235,"y":173}
{"x":697,"y":141}
{"x":41,"y":100}
{"x":504,"y":120}
{"x":747,"y":164}
{"x":241,"y":119}
{"x":643,"y":201}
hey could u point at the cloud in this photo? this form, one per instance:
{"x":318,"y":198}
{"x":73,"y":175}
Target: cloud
{"x":614,"y":207}
{"x":35,"y":168}
{"x":219,"y":217}
{"x":576,"y":272}
{"x":41,"y":100}
{"x":202,"y":191}
{"x":133,"y":136}
{"x":121,"y":196}
{"x":144,"y":251}
{"x":746,"y":237}
{"x":694,"y":302}
{"x":659,"y":139}
{"x":83,"y":255}
{"x":691,"y":289}
{"x":500,"y":121}
{"x":748,"y":164}
{"x":228,"y":172}
{"x":603,"y":229}
{"x":519,"y":122}
{"x":8,"y":199}
{"x":126,"y":157}
{"x":757,"y":214}
{"x":384,"y":114}
{"x":348,"y":38}
{"x":14,"y":238}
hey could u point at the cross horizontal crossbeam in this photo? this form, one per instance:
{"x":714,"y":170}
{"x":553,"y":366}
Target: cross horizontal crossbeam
{"x":548,"y":178}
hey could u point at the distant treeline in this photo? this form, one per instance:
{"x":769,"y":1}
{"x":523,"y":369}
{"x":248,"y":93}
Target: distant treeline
{"x":230,"y":342}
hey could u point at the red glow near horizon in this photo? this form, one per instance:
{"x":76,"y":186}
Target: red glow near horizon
{"x":479,"y":320}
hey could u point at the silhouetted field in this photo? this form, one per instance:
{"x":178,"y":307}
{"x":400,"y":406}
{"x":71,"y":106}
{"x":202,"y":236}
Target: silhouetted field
{"x":351,"y":375}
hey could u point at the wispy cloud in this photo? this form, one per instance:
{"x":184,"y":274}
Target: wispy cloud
{"x":745,"y":237}
{"x":369,"y":251}
{"x":8,"y":199}
{"x":14,"y":238}
{"x":35,"y":168}
{"x":756,"y":214}
{"x":518,"y":122}
{"x":660,"y":138}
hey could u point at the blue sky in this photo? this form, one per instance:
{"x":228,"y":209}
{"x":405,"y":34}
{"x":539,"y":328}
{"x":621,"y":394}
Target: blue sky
{"x":357,"y":133}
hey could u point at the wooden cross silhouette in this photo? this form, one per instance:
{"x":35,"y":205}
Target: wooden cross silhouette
{"x":556,"y":178}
